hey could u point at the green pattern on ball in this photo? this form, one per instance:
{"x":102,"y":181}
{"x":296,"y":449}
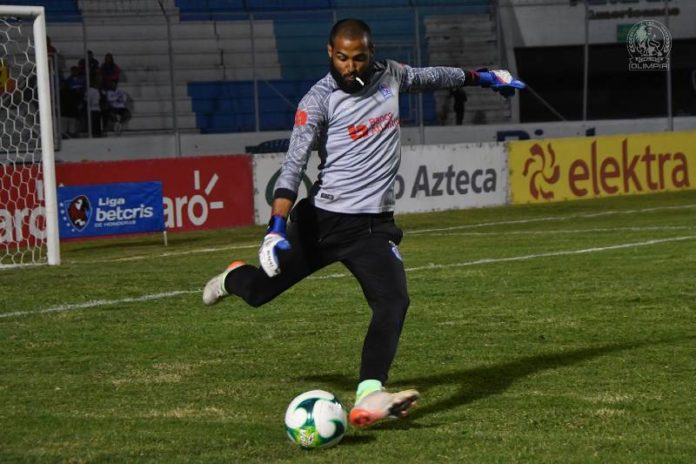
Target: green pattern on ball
{"x":307,"y":435}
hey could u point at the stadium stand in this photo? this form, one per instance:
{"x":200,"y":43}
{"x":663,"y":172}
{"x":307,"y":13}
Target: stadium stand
{"x":221,"y":60}
{"x":468,"y":41}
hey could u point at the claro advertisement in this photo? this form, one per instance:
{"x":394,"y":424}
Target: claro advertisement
{"x":431,"y":178}
{"x":593,"y":167}
{"x":205,"y":192}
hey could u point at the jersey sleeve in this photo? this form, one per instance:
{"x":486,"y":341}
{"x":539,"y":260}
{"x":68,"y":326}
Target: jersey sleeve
{"x":432,"y":78}
{"x":310,"y":117}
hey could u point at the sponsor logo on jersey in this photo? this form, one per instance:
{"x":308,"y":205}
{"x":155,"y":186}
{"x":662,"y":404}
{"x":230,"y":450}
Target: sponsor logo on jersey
{"x":376,"y":125}
{"x":357,"y":132}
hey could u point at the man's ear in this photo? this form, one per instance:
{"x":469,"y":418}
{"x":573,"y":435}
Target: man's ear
{"x":329,"y":50}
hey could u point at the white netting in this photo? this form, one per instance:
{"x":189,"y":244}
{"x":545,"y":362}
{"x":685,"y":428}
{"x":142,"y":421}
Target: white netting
{"x":22,"y":204}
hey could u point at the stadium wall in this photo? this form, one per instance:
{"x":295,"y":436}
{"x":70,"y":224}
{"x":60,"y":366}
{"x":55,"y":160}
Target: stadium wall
{"x":165,"y":146}
{"x":209,"y":192}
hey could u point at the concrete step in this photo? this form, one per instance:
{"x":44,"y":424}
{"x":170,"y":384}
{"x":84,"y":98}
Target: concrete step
{"x":139,"y":90}
{"x":183,"y":105}
{"x":161,"y":121}
{"x":182,"y":75}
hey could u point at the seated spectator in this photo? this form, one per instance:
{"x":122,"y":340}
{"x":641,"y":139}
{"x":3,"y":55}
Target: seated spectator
{"x":110,"y":71}
{"x":117,"y":108}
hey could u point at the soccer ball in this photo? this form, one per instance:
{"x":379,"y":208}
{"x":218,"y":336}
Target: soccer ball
{"x":315,"y":419}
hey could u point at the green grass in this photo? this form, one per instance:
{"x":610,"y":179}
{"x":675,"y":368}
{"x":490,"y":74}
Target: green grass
{"x":525,"y":347}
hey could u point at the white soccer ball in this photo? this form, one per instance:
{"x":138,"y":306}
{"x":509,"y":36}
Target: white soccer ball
{"x":315,"y":419}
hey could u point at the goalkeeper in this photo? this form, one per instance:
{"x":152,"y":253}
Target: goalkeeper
{"x":352,"y":116}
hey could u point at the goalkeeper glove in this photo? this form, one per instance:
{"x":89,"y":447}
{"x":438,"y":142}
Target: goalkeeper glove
{"x":274,"y":241}
{"x":501,"y":81}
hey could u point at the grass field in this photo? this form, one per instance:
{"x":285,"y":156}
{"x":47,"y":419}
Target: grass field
{"x":540,"y":334}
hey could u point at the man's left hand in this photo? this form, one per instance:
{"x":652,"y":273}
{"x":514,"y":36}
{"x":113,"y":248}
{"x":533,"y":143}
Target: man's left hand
{"x":274,"y":241}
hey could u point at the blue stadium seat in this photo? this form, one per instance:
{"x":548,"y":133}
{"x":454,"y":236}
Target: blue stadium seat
{"x":283,"y":5}
{"x":229,"y":106}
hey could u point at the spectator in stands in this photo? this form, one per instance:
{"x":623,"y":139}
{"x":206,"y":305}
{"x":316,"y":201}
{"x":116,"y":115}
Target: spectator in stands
{"x":94,"y":102}
{"x":70,"y":104}
{"x":71,"y":101}
{"x":93,"y":66}
{"x":54,"y":64}
{"x":353,"y":114}
{"x":459,"y":96}
{"x":52,"y":51}
{"x":76,"y":81}
{"x":117,"y":113}
{"x":110,"y":72}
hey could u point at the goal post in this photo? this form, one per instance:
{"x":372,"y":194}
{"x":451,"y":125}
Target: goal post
{"x":28,"y":195}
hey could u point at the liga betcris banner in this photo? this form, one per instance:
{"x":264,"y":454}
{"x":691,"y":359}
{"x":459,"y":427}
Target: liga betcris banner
{"x":201,"y":192}
{"x":110,"y":209}
{"x":593,"y":167}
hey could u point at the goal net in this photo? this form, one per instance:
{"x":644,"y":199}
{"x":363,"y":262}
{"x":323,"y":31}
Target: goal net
{"x":28,"y":210}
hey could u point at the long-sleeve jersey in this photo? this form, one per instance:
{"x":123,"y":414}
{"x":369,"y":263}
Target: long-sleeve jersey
{"x":357,"y":136}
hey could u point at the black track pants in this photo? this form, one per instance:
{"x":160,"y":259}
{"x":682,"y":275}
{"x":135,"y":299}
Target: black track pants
{"x":367,"y":246}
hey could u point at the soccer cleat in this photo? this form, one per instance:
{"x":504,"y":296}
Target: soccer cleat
{"x":380,"y":405}
{"x":214,"y":290}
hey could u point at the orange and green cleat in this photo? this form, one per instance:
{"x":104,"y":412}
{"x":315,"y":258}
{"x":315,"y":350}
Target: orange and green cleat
{"x":380,"y":405}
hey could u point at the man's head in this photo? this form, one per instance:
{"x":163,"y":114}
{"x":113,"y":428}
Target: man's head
{"x":351,"y":54}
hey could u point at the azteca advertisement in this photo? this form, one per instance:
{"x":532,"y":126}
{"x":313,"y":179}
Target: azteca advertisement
{"x":593,"y":167}
{"x":430,"y":178}
{"x":205,"y":192}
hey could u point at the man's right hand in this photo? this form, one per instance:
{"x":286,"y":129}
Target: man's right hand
{"x":274,"y":241}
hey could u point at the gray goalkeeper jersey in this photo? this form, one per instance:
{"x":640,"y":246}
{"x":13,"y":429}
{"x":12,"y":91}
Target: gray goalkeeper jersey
{"x":357,"y":136}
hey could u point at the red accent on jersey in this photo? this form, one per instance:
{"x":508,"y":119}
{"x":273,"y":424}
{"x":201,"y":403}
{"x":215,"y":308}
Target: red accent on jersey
{"x":300,"y":118}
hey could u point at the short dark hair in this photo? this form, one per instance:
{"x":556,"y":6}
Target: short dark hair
{"x":351,"y":28}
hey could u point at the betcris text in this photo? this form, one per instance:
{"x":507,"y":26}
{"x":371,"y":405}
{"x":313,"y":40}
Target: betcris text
{"x":113,"y":209}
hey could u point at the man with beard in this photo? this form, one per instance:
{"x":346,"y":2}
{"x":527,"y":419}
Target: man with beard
{"x":352,"y":116}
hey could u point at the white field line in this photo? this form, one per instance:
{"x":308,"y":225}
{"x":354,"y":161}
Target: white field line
{"x":158,"y":296}
{"x":408,"y":232}
{"x":99,"y":303}
{"x":567,"y":231}
{"x":550,"y":218}
{"x":164,"y":255}
{"x":533,"y":256}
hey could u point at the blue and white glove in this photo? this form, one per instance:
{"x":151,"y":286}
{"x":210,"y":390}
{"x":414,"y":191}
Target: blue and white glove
{"x":274,"y":241}
{"x":501,"y":81}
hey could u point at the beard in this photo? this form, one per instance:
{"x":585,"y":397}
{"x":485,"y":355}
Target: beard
{"x":352,"y":85}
